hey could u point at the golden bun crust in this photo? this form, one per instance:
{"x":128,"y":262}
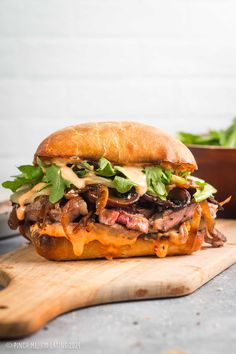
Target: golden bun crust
{"x":61,"y":249}
{"x":124,"y":143}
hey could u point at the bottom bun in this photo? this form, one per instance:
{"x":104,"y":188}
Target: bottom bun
{"x":61,"y":249}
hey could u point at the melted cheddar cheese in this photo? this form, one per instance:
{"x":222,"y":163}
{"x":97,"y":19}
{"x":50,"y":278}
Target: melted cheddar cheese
{"x":136,"y":175}
{"x":118,"y":237}
{"x":83,"y":236}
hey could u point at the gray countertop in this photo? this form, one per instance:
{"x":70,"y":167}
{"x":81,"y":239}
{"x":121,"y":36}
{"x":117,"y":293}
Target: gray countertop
{"x":204,"y":322}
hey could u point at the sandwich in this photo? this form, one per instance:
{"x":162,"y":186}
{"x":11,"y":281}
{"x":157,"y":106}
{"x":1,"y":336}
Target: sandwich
{"x":110,"y":190}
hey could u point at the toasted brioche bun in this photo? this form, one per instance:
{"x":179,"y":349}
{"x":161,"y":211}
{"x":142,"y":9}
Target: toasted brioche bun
{"x":61,"y":249}
{"x":124,"y":143}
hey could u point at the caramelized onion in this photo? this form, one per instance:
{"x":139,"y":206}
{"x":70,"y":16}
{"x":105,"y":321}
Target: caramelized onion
{"x":71,"y":210}
{"x":102,"y":198}
{"x":84,"y":221}
{"x":209,"y":220}
{"x":72,"y":193}
{"x":227,"y":200}
{"x":213,"y":236}
{"x":195,"y":222}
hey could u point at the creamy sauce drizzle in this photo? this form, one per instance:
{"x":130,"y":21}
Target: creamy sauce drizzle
{"x":20,"y":212}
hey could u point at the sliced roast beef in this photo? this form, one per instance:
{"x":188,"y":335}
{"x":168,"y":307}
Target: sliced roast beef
{"x":74,"y":208}
{"x":41,"y":210}
{"x":53,"y":212}
{"x":169,"y":219}
{"x":108,"y":216}
{"x":133,"y":221}
{"x":13,"y":221}
{"x":215,"y":238}
{"x":147,"y":212}
{"x":35,"y":212}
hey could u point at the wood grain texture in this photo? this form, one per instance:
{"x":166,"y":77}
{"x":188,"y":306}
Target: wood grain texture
{"x":37,"y":290}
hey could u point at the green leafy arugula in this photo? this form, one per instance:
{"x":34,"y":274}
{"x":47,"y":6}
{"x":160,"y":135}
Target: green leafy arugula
{"x":225,"y":137}
{"x":122,"y":185}
{"x":58,"y":184}
{"x":30,"y":175}
{"x":83,"y":168}
{"x":157,"y":178}
{"x":205,"y":191}
{"x":105,"y":168}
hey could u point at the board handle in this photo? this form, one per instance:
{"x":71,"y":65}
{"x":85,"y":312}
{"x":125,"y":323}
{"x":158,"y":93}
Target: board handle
{"x":26,"y":305}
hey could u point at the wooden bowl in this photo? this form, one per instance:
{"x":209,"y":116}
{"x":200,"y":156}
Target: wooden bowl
{"x":217,"y":165}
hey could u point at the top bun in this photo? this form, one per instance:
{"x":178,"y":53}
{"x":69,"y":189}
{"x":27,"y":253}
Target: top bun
{"x":123,"y":143}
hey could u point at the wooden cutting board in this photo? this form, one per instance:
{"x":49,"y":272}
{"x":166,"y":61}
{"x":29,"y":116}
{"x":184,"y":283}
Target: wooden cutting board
{"x":37,"y":290}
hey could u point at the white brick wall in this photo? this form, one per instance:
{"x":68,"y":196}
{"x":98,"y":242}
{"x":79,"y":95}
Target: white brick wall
{"x":170,"y":63}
